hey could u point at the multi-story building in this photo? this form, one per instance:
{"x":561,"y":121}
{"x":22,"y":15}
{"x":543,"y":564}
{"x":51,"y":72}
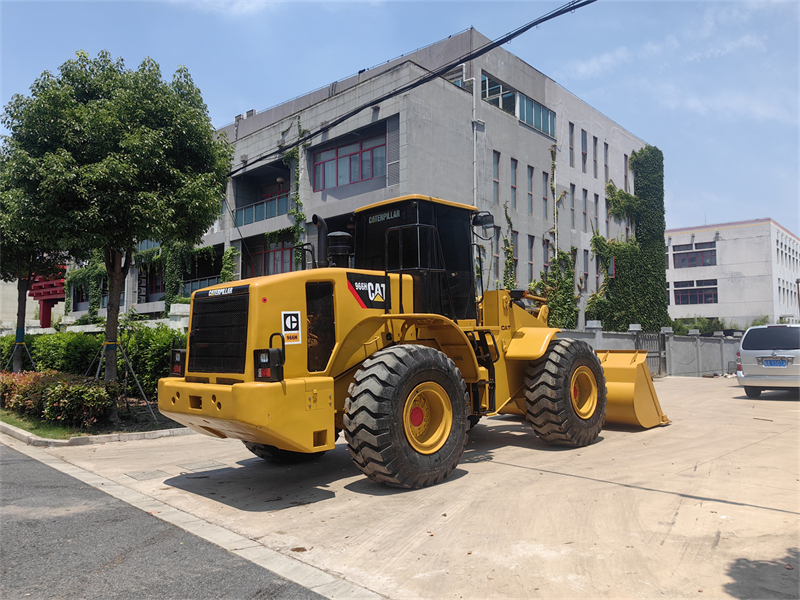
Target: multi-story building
{"x":482,"y":134}
{"x":738,"y":272}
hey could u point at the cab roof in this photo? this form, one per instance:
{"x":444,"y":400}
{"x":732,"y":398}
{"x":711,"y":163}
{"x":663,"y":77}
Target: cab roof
{"x":418,"y":197}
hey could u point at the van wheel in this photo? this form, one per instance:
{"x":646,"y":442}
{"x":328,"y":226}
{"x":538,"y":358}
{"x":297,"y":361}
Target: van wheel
{"x":752,"y":392}
{"x":565,"y":394}
{"x":406,"y":421}
{"x":275,"y":454}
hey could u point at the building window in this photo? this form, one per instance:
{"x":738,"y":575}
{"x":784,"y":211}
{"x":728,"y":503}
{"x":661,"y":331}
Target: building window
{"x":496,"y":255}
{"x":544,"y":195}
{"x":545,"y":256}
{"x":585,"y":269}
{"x":607,"y":220}
{"x":688,"y":260}
{"x":571,"y":144}
{"x":585,"y":208}
{"x":668,"y":302}
{"x":157,"y":283}
{"x":530,"y":190}
{"x":596,"y":213}
{"x":605,"y":163}
{"x":626,"y":173}
{"x":499,"y":95}
{"x":572,"y":206}
{"x":594,"y":156}
{"x":269,"y":259}
{"x":703,"y":245}
{"x":146,"y":245}
{"x":496,"y":177}
{"x":531,"y":240}
{"x":515,"y":252}
{"x":537,"y":116}
{"x":703,"y":291}
{"x":597,"y":273}
{"x":584,"y":150}
{"x":349,"y":164}
{"x":514,"y":184}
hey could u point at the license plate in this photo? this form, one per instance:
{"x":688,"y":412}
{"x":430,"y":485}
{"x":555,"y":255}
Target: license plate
{"x":774,"y":362}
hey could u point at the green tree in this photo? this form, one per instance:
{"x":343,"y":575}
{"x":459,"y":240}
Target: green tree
{"x":23,"y":253}
{"x":105,"y":156}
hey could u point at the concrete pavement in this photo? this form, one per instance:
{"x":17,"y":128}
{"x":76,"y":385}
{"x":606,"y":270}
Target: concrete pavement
{"x":708,"y":506}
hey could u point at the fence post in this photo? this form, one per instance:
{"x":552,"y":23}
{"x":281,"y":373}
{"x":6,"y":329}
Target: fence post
{"x":597,"y":327}
{"x":696,"y":334}
{"x":666,"y":336}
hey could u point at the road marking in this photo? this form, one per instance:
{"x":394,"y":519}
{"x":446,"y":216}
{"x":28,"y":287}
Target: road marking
{"x":319,"y":581}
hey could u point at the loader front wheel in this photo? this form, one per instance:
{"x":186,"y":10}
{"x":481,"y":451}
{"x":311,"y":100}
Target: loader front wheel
{"x":565,"y":394}
{"x":406,"y":422}
{"x":275,"y":454}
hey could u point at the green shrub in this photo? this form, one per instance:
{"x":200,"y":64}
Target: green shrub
{"x":149,"y":352}
{"x":68,"y":352}
{"x":7,"y":347}
{"x":81,"y":405}
{"x":24,"y":393}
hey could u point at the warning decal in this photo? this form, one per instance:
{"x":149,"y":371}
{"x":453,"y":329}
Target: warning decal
{"x":290,"y":326}
{"x":369,"y":290}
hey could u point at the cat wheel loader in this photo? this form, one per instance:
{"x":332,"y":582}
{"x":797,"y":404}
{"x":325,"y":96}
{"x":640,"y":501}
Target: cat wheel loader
{"x":389,"y":339}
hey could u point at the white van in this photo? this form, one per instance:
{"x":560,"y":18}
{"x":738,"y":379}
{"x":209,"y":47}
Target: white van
{"x":769,"y":359}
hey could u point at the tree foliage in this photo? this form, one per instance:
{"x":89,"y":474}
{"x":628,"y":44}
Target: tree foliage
{"x":637,"y":293}
{"x":103,"y":156}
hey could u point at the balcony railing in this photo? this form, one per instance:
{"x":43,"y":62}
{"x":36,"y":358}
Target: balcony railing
{"x":264,"y":209}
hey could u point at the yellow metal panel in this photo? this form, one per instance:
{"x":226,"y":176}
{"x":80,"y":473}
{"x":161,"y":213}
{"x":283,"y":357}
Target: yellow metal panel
{"x":285,"y":414}
{"x":420,"y":197}
{"x":530,"y":343}
{"x":632,"y":398}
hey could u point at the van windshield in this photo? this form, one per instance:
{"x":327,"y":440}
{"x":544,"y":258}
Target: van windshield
{"x":772,"y":338}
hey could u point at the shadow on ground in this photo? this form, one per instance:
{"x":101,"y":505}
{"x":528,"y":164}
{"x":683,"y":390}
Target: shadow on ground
{"x":765,"y":578}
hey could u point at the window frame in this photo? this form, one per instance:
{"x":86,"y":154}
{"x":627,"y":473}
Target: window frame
{"x":572,"y":144}
{"x":336,"y":158}
{"x":495,"y":177}
{"x":584,"y":150}
{"x":514,"y":166}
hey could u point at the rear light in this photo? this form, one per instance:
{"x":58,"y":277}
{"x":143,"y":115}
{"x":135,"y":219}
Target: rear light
{"x":178,"y":363}
{"x":738,"y":361}
{"x":268,"y":362}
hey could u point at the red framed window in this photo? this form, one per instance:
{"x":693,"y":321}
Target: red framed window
{"x":157,"y":283}
{"x":351,"y":163}
{"x":269,"y":260}
{"x":688,"y":260}
{"x":514,"y":183}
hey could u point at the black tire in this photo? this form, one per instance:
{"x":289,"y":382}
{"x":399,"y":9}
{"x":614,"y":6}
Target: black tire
{"x":752,"y":392}
{"x":387,"y":390}
{"x":568,"y":367}
{"x":275,"y":454}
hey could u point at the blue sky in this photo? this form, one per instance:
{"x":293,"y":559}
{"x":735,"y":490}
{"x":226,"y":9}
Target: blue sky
{"x":713,"y":84}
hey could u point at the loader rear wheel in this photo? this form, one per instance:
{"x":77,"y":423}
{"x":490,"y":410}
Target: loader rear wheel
{"x":565,"y":394}
{"x":406,"y":422}
{"x":275,"y":454}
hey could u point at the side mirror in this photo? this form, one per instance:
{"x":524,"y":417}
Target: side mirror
{"x":483,"y":219}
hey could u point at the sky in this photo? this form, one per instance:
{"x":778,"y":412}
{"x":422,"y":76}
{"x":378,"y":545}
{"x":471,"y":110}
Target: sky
{"x":714,"y":85}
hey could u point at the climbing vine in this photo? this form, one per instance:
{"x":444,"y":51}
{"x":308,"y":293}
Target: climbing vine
{"x":635,"y":291}
{"x":88,"y":278}
{"x":227,"y":272}
{"x":298,"y":230}
{"x":509,"y":279}
{"x":557,"y":285}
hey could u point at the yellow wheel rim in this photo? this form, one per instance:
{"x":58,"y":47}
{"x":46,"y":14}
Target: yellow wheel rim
{"x":583,"y":392}
{"x":427,"y":417}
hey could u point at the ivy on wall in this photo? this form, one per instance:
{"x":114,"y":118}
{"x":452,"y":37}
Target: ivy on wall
{"x":509,"y":281}
{"x":228,"y":270}
{"x":292,"y":160}
{"x":637,"y":292}
{"x":88,"y":278}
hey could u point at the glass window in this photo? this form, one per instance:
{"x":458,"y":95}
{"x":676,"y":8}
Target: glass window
{"x":354,"y":167}
{"x":379,"y":161}
{"x":330,"y":174}
{"x":355,"y":162}
{"x":345,"y":150}
{"x":366,"y":164}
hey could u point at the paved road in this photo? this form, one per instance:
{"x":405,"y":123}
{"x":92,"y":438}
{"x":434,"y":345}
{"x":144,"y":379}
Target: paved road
{"x":64,"y":539}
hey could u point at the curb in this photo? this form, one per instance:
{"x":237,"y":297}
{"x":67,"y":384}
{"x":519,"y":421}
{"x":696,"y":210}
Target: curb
{"x":86,"y":440}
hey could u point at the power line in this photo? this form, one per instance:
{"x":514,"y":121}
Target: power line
{"x":571,"y":6}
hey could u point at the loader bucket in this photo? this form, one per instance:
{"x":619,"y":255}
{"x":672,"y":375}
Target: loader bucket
{"x":632,"y":398}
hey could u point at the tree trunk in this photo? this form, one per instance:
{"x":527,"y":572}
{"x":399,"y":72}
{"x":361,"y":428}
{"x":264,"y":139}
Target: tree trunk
{"x":23,"y":283}
{"x":117,"y":265}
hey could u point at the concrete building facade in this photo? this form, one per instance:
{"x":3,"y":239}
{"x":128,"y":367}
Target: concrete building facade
{"x":734,"y":271}
{"x":481,"y":135}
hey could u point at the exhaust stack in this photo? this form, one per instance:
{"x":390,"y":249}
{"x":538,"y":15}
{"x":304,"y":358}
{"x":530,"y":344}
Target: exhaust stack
{"x":322,"y":241}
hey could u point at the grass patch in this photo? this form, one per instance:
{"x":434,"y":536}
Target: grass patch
{"x":37,"y":427}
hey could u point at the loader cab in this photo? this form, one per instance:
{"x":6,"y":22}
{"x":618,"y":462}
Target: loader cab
{"x":427,"y":238}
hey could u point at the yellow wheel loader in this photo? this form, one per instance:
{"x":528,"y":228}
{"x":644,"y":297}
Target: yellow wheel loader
{"x":389,"y":338}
